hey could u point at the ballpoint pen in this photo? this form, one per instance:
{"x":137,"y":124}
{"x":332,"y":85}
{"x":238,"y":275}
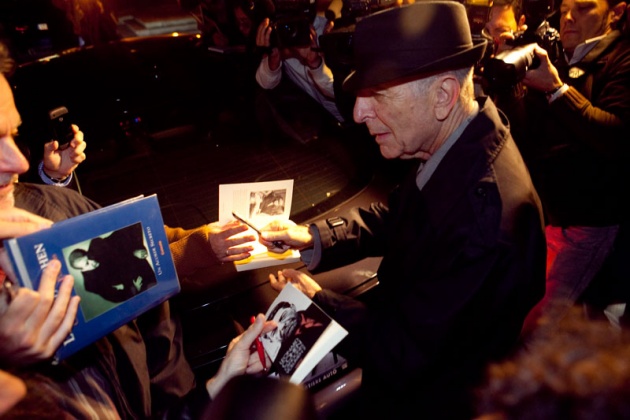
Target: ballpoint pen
{"x":260,"y":349}
{"x":277,"y":244}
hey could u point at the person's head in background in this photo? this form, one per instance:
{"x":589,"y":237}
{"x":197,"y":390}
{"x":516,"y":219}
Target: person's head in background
{"x":581,"y":20}
{"x":12,"y":161}
{"x":505,"y":18}
{"x":579,"y":370}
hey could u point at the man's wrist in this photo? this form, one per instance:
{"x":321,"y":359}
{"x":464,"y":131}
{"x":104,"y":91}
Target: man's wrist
{"x":554,"y":94}
{"x":50,"y":180}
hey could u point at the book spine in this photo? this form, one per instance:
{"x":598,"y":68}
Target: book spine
{"x":19,"y":266}
{"x":327,"y":376}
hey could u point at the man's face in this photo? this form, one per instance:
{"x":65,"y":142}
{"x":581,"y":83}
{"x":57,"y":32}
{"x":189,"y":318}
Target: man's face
{"x":400,"y":118}
{"x":287,"y":320}
{"x":85,"y":264}
{"x":581,"y":20}
{"x":243,"y":21}
{"x":12,"y":161}
{"x":501,"y":21}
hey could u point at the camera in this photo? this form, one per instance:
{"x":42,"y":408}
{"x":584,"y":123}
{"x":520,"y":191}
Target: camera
{"x":508,"y":68}
{"x":356,"y":9}
{"x":61,"y":126}
{"x":291,"y":23}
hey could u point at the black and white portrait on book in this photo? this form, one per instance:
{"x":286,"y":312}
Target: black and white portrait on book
{"x":110,"y":269}
{"x":298,"y":329}
{"x":270,"y":203}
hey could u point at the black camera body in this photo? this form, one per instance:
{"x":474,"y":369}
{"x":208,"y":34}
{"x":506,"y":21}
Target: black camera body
{"x":291,"y":23}
{"x":508,"y":68}
{"x":356,"y":9}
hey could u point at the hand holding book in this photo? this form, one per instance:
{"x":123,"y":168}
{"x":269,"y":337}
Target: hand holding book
{"x":298,"y":279}
{"x":36,"y":323}
{"x":304,"y":336}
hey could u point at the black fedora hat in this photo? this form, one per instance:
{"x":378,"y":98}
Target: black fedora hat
{"x":423,"y":38}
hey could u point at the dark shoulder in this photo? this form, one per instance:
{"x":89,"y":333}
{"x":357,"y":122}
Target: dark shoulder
{"x":52,"y":202}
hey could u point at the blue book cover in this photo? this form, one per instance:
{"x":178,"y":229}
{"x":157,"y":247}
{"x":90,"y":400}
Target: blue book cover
{"x":119,"y":257}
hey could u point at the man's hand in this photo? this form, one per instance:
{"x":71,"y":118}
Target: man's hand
{"x":545,"y":77}
{"x":308,"y":56}
{"x":240,"y":357}
{"x":17,"y":222}
{"x":36,"y":322}
{"x":301,"y":281}
{"x":225,"y":245}
{"x":59,"y":164}
{"x":263,"y":40}
{"x":291,"y":235}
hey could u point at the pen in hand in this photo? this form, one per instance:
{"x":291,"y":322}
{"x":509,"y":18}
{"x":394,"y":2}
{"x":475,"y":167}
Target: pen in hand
{"x":277,"y":244}
{"x":260,"y":349}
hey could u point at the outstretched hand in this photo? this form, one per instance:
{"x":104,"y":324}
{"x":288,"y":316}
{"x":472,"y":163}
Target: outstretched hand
{"x":226,"y":246}
{"x":300,"y":280}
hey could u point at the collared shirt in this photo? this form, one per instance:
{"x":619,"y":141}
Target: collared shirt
{"x":584,"y":48}
{"x":426,"y":169}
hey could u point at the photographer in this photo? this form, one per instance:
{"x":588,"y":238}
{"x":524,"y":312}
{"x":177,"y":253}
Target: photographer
{"x":574,"y":136}
{"x":301,"y":62}
{"x":504,"y":20}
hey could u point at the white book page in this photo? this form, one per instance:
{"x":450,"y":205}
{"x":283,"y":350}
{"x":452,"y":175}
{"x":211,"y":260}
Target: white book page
{"x":259,"y":203}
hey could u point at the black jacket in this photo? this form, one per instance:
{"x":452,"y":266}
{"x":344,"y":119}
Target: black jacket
{"x":463,"y":263}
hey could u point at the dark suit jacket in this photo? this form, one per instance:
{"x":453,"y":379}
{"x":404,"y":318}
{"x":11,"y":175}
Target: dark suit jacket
{"x":463,"y":263}
{"x":118,"y":268}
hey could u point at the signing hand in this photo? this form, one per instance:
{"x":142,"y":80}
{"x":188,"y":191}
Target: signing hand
{"x":287,"y":232}
{"x":300,"y":280}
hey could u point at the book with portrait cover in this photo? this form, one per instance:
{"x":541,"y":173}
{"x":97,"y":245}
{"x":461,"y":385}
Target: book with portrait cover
{"x":258,"y":203}
{"x":119,"y":257}
{"x":304,"y":337}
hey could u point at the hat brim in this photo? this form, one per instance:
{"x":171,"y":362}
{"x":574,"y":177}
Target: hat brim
{"x":358,"y":80}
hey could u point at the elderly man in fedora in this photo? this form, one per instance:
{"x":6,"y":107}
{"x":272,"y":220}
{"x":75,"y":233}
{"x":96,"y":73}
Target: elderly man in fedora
{"x":462,"y":237}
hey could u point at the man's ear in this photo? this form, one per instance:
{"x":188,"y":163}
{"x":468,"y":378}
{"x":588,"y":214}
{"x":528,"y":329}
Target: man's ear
{"x":446,"y":96}
{"x":520,"y":26}
{"x":617,"y":12}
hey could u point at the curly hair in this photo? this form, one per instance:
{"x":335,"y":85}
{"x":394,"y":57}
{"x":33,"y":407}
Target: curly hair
{"x":579,"y":370}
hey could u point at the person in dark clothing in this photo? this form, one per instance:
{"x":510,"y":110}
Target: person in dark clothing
{"x":461,"y":237}
{"x":572,"y":128}
{"x":138,"y":370}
